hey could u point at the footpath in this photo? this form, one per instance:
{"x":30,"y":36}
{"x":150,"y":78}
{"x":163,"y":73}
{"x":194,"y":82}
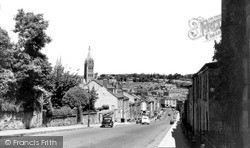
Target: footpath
{"x":42,"y":130}
{"x":174,"y":137}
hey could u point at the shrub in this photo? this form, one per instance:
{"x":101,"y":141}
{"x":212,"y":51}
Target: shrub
{"x":7,"y":106}
{"x":64,"y":111}
{"x":99,"y":108}
{"x":105,"y":107}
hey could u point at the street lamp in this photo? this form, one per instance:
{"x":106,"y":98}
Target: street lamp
{"x":89,"y":113}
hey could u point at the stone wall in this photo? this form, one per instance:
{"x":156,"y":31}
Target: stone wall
{"x":60,"y":120}
{"x":94,"y":119}
{"x":71,"y":120}
{"x":21,"y":120}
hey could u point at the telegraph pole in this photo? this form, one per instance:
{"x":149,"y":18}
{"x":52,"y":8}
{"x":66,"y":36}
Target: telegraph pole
{"x":89,"y":107}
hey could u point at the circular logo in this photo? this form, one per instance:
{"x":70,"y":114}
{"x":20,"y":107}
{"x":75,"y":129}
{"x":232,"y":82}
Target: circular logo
{"x":7,"y":142}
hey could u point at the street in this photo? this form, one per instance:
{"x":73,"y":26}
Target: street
{"x":123,"y":136}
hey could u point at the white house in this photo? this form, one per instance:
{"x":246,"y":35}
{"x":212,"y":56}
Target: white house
{"x":105,"y":97}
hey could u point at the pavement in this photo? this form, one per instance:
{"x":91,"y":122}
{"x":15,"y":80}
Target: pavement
{"x":175,"y":137}
{"x":168,"y":141}
{"x":42,"y":130}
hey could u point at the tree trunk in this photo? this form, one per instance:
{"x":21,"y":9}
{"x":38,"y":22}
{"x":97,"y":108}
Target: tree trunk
{"x":79,"y":114}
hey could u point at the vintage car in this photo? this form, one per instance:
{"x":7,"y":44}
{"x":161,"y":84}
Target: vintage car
{"x":145,"y":120}
{"x":107,"y":122}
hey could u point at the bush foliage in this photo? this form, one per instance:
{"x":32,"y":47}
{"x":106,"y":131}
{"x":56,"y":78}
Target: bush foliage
{"x":64,"y":111}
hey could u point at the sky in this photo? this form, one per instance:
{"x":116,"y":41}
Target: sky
{"x":125,"y":36}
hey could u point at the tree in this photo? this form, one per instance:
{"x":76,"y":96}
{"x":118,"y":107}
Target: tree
{"x":31,"y":32}
{"x":93,"y":96}
{"x":76,"y":97}
{"x":6,"y":74}
{"x":61,"y":82}
{"x":5,"y":48}
{"x":30,"y":67}
{"x":229,"y":53}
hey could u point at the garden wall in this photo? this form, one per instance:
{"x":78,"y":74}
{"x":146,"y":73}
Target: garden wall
{"x":20,"y":120}
{"x":94,"y":118}
{"x":60,"y":120}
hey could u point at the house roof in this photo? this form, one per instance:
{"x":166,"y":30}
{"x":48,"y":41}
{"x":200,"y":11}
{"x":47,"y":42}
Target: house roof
{"x":178,"y":90}
{"x":211,"y":65}
{"x":119,"y":95}
{"x":100,"y":82}
{"x":96,"y":81}
{"x":106,"y":111}
{"x":144,"y":98}
{"x":130,"y":96}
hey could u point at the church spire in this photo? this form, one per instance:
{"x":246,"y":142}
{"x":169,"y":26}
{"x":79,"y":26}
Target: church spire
{"x":59,"y":61}
{"x":89,"y":68}
{"x":89,"y":54}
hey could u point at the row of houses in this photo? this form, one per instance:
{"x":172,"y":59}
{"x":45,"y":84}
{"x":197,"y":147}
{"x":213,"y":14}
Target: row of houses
{"x":127,"y":100}
{"x":203,"y":111}
{"x":122,"y":105}
{"x":202,"y":106}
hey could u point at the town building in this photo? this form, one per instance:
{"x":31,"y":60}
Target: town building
{"x":105,"y":98}
{"x":171,"y":101}
{"x":132,"y":109}
{"x":123,"y":107}
{"x":137,"y":106}
{"x":202,"y":107}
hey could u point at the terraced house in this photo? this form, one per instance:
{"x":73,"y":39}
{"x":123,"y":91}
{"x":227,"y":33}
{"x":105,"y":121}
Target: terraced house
{"x":202,"y":105}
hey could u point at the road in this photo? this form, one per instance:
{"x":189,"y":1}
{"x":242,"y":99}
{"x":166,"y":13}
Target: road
{"x":123,"y":136}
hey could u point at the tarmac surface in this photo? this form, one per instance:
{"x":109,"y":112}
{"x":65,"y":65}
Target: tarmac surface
{"x":123,"y":135}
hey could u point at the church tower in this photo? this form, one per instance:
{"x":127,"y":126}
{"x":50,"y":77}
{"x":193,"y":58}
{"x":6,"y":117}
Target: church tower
{"x":89,"y":68}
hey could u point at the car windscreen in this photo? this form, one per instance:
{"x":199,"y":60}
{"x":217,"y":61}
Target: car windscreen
{"x":107,"y":120}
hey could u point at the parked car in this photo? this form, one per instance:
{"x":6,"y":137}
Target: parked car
{"x":107,"y":122}
{"x":145,"y":120}
{"x":138,"y":121}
